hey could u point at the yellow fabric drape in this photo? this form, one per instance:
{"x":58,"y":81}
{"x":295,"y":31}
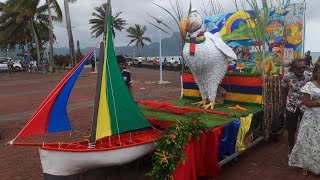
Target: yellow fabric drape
{"x":191,"y":93}
{"x":248,"y":98}
{"x":245,"y":123}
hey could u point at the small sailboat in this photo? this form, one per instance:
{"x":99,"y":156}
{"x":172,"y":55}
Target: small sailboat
{"x":119,"y":132}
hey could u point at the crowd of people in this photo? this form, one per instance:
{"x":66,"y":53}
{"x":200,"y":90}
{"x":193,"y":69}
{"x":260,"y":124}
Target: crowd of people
{"x":173,"y":64}
{"x":301,"y":84}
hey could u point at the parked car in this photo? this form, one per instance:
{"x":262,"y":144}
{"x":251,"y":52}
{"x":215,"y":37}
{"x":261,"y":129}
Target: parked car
{"x":135,"y":61}
{"x":4,"y":64}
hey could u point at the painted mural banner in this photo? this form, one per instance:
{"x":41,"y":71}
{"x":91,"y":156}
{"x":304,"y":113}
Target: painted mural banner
{"x":283,"y":43}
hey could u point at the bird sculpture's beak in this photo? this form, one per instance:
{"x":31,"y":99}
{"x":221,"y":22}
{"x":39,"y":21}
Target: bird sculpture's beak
{"x":184,"y":27}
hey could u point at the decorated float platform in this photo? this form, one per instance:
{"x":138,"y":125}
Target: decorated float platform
{"x":197,"y":142}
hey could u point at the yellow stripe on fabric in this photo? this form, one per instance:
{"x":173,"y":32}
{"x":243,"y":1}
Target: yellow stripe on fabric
{"x":104,"y":120}
{"x":245,"y":123}
{"x":249,"y":98}
{"x":191,"y":93}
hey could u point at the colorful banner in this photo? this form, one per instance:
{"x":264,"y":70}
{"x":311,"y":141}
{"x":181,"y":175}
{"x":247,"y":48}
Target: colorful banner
{"x":283,"y":43}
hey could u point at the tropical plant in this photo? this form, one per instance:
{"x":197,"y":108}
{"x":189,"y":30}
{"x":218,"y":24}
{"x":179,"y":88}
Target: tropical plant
{"x":52,"y":4}
{"x":136,"y":33}
{"x":7,"y":24}
{"x":212,"y":7}
{"x":69,"y":29}
{"x":176,"y":14}
{"x":99,"y":18}
{"x":283,"y":2}
{"x":170,"y":147}
{"x":21,"y":21}
{"x":79,"y":55}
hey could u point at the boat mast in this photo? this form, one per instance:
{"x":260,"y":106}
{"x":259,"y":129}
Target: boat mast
{"x":99,"y":79}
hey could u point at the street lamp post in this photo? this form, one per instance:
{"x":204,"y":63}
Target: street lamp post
{"x":159,"y":20}
{"x":134,"y":53}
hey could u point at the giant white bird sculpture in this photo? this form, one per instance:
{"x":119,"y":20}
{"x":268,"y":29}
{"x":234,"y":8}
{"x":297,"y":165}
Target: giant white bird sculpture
{"x":206,"y":55}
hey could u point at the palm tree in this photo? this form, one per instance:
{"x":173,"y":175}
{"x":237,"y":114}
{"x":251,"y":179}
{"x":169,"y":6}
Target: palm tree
{"x":136,"y":33}
{"x":69,"y":29}
{"x":25,"y":17}
{"x":54,"y":5}
{"x":98,"y":22}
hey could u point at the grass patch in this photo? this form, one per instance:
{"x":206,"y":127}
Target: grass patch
{"x":210,"y":120}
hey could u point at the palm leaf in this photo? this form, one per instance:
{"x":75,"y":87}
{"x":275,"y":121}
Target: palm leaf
{"x":161,"y":23}
{"x":167,"y":12}
{"x":158,"y":27}
{"x":55,"y":6}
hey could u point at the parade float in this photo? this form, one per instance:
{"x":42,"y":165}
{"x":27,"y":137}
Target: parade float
{"x":253,"y":108}
{"x":195,"y":140}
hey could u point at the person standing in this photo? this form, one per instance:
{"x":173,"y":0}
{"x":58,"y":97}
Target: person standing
{"x":291,"y":84}
{"x":10,"y":65}
{"x":164,"y":65}
{"x":125,"y":73}
{"x":93,"y":63}
{"x":308,"y":59}
{"x":33,"y":66}
{"x":154,"y":63}
{"x":306,"y":151}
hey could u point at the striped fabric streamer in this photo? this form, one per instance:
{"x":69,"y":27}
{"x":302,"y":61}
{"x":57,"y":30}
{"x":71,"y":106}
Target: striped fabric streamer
{"x":239,"y":88}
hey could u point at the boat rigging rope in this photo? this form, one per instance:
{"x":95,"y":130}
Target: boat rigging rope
{"x":114,"y":104}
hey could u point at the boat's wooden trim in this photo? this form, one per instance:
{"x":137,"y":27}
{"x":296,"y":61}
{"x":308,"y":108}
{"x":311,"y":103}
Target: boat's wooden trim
{"x":108,"y":143}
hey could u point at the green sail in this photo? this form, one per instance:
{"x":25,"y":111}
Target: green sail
{"x":124,"y":112}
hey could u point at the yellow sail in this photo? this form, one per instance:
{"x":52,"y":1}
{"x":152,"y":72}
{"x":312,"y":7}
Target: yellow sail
{"x":104,"y":120}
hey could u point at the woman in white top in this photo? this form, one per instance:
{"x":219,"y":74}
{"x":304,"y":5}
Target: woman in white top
{"x":306,"y":152}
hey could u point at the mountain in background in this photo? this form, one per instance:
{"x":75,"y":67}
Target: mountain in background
{"x":170,"y":47}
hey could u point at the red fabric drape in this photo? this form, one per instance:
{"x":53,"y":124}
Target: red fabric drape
{"x":162,"y":124}
{"x":201,"y":156}
{"x":172,"y":108}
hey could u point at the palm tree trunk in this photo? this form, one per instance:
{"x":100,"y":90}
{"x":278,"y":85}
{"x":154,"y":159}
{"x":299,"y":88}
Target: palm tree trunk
{"x":51,"y":61}
{"x":36,"y":40}
{"x":68,"y":22}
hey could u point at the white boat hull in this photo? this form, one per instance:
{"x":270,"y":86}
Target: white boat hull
{"x":63,"y":163}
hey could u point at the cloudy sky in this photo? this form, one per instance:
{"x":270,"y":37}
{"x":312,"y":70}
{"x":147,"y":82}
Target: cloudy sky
{"x":134,"y":12}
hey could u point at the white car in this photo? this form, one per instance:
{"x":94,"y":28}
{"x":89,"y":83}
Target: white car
{"x":4,"y":64}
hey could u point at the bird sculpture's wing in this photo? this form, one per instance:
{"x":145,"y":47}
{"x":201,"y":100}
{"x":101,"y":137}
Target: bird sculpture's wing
{"x":221,"y":45}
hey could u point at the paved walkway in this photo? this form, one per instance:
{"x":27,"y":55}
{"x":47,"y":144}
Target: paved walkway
{"x":21,"y":94}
